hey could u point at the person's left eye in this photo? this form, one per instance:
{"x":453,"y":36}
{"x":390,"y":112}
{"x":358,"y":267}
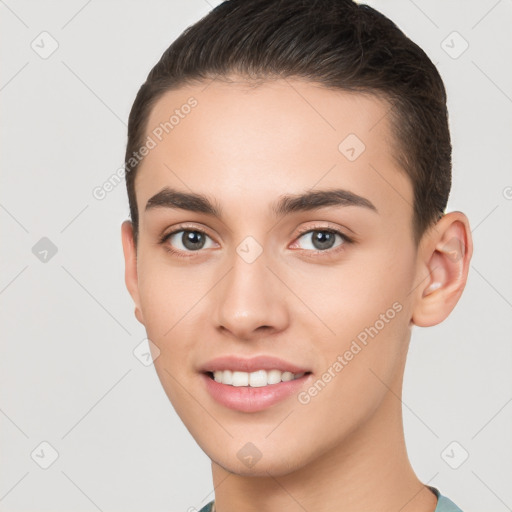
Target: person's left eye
{"x":321,"y":240}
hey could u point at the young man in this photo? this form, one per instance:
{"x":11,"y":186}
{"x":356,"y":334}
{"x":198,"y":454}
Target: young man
{"x":288,"y":170}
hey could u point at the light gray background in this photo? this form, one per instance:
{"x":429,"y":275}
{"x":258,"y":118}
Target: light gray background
{"x":68,"y":373}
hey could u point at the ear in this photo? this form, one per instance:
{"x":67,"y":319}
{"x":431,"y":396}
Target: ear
{"x":443,"y":264}
{"x":130,"y":267}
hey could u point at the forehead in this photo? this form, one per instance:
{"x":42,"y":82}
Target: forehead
{"x":237,"y":141}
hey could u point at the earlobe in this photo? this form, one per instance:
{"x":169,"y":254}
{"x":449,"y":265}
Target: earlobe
{"x":444,"y":264}
{"x":130,"y":270}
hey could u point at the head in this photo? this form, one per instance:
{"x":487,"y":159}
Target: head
{"x":265,"y":125}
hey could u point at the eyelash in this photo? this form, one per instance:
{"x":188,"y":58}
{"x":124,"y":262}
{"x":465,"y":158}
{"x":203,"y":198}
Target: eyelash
{"x":180,"y":254}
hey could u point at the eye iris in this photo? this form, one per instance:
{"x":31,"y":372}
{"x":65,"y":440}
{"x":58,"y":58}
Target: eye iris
{"x":192,"y":240}
{"x":323,"y":239}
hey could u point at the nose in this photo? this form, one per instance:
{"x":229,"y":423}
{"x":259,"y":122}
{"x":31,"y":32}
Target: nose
{"x":250,"y":301}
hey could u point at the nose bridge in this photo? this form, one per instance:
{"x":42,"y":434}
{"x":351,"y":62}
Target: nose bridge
{"x":249,"y":296}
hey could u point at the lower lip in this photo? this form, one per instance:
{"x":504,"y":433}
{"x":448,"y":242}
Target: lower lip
{"x":252,"y":399}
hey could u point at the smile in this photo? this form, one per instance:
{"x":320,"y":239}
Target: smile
{"x":256,"y":379}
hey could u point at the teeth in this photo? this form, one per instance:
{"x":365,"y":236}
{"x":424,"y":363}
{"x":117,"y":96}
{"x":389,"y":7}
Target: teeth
{"x":240,"y":379}
{"x":255,"y":379}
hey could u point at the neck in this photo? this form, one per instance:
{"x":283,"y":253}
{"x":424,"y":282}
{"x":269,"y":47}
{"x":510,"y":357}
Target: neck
{"x":369,"y":471}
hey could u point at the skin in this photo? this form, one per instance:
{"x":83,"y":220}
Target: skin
{"x":244,"y":147}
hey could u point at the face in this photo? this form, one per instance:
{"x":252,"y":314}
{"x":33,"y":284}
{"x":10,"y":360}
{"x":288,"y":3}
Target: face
{"x":249,"y":270}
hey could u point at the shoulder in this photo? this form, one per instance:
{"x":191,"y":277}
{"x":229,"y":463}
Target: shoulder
{"x":443,"y":503}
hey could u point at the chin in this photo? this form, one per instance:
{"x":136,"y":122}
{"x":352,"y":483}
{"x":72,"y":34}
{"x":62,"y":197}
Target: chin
{"x":260,"y":469}
{"x":271,"y":462}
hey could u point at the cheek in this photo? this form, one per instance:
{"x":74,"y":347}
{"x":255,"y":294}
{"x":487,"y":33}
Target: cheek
{"x":166,"y":290}
{"x":360,"y":362}
{"x":172,"y":298}
{"x":364,"y":303}
{"x":167,"y":306}
{"x":352,"y":295}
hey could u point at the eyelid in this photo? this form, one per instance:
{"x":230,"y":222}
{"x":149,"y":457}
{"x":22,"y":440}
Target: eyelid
{"x":184,"y":227}
{"x":333,"y":229}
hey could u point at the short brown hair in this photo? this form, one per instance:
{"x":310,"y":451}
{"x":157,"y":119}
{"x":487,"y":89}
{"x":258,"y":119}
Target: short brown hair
{"x":336,"y":43}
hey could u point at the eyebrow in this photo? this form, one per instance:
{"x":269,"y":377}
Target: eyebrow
{"x":286,"y":204}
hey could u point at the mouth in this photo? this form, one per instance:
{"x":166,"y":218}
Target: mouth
{"x":256,"y":391}
{"x":255,"y":379}
{"x":253,"y":384}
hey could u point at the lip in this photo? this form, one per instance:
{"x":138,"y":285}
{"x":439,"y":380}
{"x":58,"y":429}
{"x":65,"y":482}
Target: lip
{"x":249,"y":399}
{"x":262,"y":362}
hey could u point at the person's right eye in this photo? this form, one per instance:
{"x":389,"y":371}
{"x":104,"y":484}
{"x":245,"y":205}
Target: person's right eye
{"x":183,"y":241}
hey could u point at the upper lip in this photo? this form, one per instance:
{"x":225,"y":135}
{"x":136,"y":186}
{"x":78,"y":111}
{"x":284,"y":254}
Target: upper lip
{"x":262,"y":362}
